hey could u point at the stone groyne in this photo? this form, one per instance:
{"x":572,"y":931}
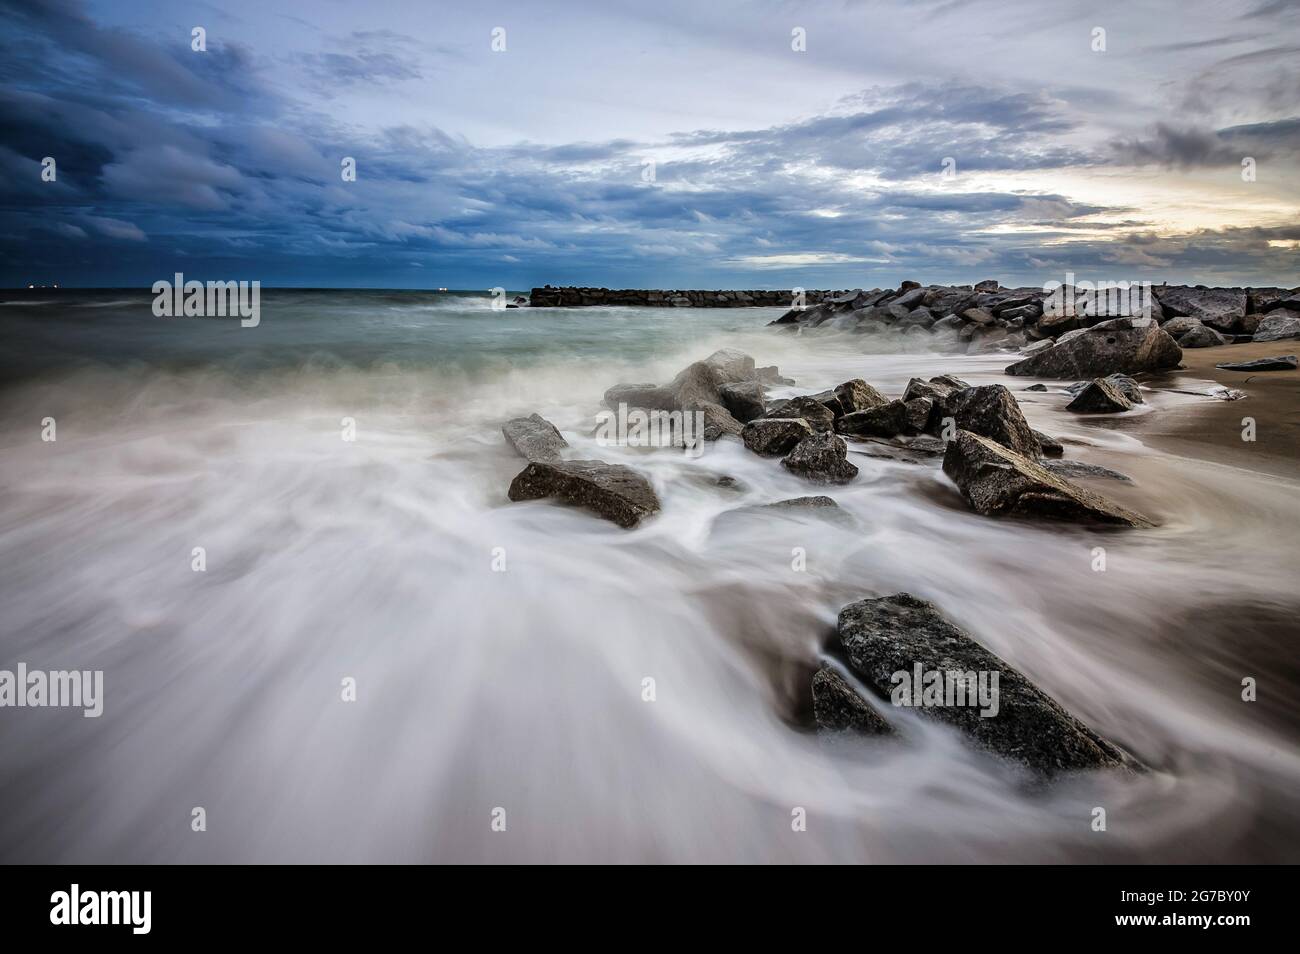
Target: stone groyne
{"x":571,"y":297}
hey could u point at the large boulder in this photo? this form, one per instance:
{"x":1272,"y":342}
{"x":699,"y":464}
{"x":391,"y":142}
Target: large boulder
{"x":774,"y":436}
{"x":997,"y":481}
{"x":1276,"y":325}
{"x":894,"y":640}
{"x":1219,"y":308}
{"x":837,"y":706}
{"x":612,"y":491}
{"x":992,"y":411}
{"x":822,"y":458}
{"x":534,"y":437}
{"x":1093,"y":353}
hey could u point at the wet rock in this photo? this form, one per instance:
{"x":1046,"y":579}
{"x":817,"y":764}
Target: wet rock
{"x":978,"y":316}
{"x":1042,"y":344}
{"x":1278,"y":325}
{"x":1121,"y":382}
{"x":1177,"y":327}
{"x":897,"y":634}
{"x":991,"y":410}
{"x":745,"y":400}
{"x":918,"y":413}
{"x":822,"y":458}
{"x":857,"y":395}
{"x":808,"y":408}
{"x":1098,"y":353}
{"x":1101,"y":396}
{"x":934,"y":390}
{"x":648,"y":396}
{"x":838,"y":707}
{"x":801,"y":503}
{"x":1047,"y":445}
{"x":1036,"y":387}
{"x":612,"y":491}
{"x":774,"y":436}
{"x":1279,"y":363}
{"x":534,"y":437}
{"x":1074,"y":469}
{"x":997,"y":481}
{"x":887,"y":420}
{"x":771,"y":375}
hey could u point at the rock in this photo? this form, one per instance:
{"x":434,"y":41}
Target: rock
{"x":1202,"y":337}
{"x":807,"y":407}
{"x":857,"y":395}
{"x":1047,"y":445}
{"x":744,"y":400}
{"x":1277,"y":325}
{"x":997,"y":481}
{"x":774,"y":436}
{"x":936,"y":392}
{"x":1100,"y":397}
{"x":1121,"y":382}
{"x":1074,"y":469}
{"x":895,"y":635}
{"x":1097,"y":353}
{"x":1279,"y":363}
{"x":887,"y":420}
{"x":800,"y":503}
{"x":1036,"y":387}
{"x":988,"y":285}
{"x":1220,"y":308}
{"x":534,"y":437}
{"x":648,"y":396}
{"x":836,"y":706}
{"x":1042,"y":344}
{"x":771,"y":375}
{"x":950,"y":382}
{"x":1177,"y":327}
{"x":822,"y":458}
{"x":978,"y":316}
{"x":1053,"y":324}
{"x":993,"y":412}
{"x":612,"y":491}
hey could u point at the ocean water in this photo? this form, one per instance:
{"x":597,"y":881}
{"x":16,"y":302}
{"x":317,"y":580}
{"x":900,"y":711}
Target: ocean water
{"x":521,"y":690}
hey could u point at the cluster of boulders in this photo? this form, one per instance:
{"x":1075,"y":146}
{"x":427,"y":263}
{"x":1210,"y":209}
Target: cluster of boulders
{"x":881,"y":638}
{"x":988,"y":317}
{"x":576,"y":297}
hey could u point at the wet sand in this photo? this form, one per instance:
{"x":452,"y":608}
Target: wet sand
{"x":1212,"y":429}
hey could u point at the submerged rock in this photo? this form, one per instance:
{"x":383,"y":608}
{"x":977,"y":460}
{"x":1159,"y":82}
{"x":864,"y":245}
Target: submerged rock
{"x":1280,"y":363}
{"x":823,"y":458}
{"x":774,"y":436}
{"x":893,"y":636}
{"x":997,"y":481}
{"x":837,"y":706}
{"x":611,"y":491}
{"x":534,"y":437}
{"x":1095,"y":353}
{"x":1101,"y":396}
{"x":1075,"y":469}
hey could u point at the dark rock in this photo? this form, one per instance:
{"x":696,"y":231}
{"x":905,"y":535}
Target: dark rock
{"x":897,"y":634}
{"x":809,"y":408}
{"x":918,"y":413}
{"x":1074,"y":469}
{"x":1121,"y":382}
{"x":998,"y":481}
{"x":1177,"y":327}
{"x":1042,"y":344}
{"x":612,"y":491}
{"x":771,"y":375}
{"x":949,"y":381}
{"x":979,"y":316}
{"x":534,"y":437}
{"x":745,"y":400}
{"x":887,"y":420}
{"x":836,"y":706}
{"x":992,"y":411}
{"x":1202,"y":337}
{"x":1053,"y":324}
{"x":1048,"y":446}
{"x":1097,"y":353}
{"x":1100,"y":397}
{"x":648,"y":396}
{"x":821,"y":458}
{"x":774,"y":436}
{"x":801,"y":503}
{"x":1280,"y":363}
{"x":1220,"y":308}
{"x":1277,"y":325}
{"x":1036,"y":387}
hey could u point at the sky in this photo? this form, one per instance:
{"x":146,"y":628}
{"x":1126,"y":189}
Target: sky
{"x":676,"y":143}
